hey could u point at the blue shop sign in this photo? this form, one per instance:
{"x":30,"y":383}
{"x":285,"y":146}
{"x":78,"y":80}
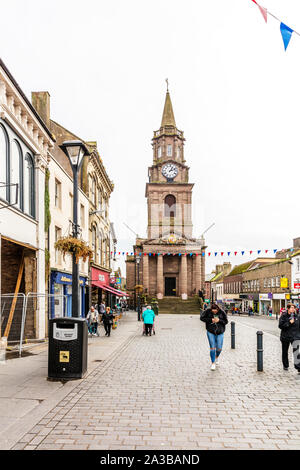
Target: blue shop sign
{"x":64,"y":278}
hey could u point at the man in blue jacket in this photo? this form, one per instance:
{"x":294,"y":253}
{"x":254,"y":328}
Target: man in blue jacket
{"x":148,"y":317}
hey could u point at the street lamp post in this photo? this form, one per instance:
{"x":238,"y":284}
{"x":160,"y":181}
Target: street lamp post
{"x":138,"y":260}
{"x":75,"y":151}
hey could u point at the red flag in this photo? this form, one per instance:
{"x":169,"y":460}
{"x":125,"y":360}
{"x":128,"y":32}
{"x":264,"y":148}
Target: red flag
{"x":267,"y":251}
{"x":208,"y":254}
{"x":235,"y":253}
{"x":263,"y":11}
{"x":251,"y":252}
{"x":222,"y":253}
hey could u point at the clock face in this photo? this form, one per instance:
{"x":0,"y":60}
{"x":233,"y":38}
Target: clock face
{"x":169,"y":170}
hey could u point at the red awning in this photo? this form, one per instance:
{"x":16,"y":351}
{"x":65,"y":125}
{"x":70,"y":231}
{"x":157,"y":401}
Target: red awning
{"x":119,"y":293}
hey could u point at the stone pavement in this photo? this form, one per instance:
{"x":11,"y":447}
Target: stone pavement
{"x":25,"y":393}
{"x":159,"y":393}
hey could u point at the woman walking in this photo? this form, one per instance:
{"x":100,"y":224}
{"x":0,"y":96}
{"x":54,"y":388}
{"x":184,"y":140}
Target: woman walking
{"x":216,"y":321}
{"x":148,"y":317}
{"x":289,"y":323}
{"x":107,"y":319}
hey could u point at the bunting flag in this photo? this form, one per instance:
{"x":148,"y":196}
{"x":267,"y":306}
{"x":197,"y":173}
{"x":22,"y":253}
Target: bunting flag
{"x":286,"y":34}
{"x":263,"y":10}
{"x":286,"y":31}
{"x":203,"y":253}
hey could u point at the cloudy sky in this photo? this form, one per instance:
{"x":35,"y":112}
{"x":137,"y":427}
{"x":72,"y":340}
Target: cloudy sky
{"x":235,"y":94}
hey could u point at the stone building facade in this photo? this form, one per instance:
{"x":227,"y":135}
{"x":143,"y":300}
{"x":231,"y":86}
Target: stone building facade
{"x":172,"y":261}
{"x":25,"y":145}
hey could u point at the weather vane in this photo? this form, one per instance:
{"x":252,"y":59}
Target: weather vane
{"x":167,"y":80}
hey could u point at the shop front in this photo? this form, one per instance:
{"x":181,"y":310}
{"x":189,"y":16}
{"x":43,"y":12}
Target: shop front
{"x":279,"y":302}
{"x":250,"y":301}
{"x":100,"y":289}
{"x":61,"y":293}
{"x":265,"y":301}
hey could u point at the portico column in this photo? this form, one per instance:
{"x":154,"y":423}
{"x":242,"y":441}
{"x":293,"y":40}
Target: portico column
{"x":183,"y":277}
{"x":146,"y":273}
{"x":198,"y":272}
{"x":160,"y":277}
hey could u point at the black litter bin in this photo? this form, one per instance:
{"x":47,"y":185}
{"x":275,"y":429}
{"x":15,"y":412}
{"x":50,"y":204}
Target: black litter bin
{"x":67,"y":353}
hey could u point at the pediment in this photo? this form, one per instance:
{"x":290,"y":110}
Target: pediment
{"x":173,"y":240}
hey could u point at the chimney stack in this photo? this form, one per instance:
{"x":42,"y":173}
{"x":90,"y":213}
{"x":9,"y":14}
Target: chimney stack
{"x":41,"y":102}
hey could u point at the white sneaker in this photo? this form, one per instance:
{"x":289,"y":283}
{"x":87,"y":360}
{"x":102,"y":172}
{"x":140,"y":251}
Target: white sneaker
{"x":213,"y":366}
{"x":217,"y":362}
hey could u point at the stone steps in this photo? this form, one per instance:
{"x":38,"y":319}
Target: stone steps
{"x":175,"y":305}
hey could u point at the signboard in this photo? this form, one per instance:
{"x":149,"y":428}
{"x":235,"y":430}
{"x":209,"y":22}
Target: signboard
{"x":296,"y":285}
{"x":113,"y":280}
{"x":118,"y":280}
{"x":284,"y":283}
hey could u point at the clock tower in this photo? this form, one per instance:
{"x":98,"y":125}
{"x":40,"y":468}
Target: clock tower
{"x":169,"y":262}
{"x":168,"y":191}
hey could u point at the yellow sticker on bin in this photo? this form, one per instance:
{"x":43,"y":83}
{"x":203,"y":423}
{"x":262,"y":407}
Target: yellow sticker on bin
{"x":64,"y":356}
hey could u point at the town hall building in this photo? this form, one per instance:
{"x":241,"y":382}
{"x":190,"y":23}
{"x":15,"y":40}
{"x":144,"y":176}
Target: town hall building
{"x":169,"y":262}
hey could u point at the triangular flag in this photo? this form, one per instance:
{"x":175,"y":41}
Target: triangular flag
{"x":216,"y":254}
{"x":274,"y":251}
{"x":209,"y":254}
{"x":258,"y":251}
{"x":251,"y":252}
{"x":243,"y":252}
{"x":235,"y":253}
{"x":266,"y":251}
{"x":263,"y":10}
{"x":229,"y":253}
{"x":222,"y":253}
{"x":286,"y":34}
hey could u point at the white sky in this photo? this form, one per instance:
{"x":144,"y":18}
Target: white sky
{"x":235,"y":94}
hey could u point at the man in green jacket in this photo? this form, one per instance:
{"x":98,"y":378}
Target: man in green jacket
{"x":148,"y":317}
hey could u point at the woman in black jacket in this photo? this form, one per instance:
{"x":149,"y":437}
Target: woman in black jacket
{"x":216,"y":321}
{"x":289,"y":323}
{"x":107,"y":319}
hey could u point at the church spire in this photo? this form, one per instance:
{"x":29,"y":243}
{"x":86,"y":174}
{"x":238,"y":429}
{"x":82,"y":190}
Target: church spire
{"x":168,"y":118}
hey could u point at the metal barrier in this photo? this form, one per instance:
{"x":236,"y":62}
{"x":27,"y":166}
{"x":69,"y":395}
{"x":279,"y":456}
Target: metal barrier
{"x":32,"y":303}
{"x":11,"y":316}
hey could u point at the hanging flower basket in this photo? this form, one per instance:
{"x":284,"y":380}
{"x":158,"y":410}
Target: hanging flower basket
{"x":139,"y":288}
{"x":74,"y":246}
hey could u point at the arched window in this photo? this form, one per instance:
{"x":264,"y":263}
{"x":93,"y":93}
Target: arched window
{"x":170,"y":206}
{"x":29,"y":194}
{"x":16,"y":173}
{"x":94,"y":242}
{"x":4,"y":194}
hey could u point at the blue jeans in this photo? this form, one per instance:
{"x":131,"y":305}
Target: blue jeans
{"x":215,"y":344}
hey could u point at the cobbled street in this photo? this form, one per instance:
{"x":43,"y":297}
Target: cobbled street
{"x":158,"y":392}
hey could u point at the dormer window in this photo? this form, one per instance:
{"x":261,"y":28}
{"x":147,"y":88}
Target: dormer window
{"x":169,"y":151}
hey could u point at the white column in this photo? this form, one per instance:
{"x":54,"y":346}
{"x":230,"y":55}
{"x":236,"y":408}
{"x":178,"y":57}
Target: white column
{"x":40,"y":319}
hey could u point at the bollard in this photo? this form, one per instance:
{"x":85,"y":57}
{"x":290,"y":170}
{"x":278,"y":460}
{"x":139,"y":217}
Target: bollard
{"x":260,"y":351}
{"x":232,"y":335}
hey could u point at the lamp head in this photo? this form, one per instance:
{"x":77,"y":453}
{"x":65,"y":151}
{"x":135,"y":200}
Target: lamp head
{"x":75,"y":151}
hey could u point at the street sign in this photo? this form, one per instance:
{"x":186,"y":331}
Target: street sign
{"x":296,"y":285}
